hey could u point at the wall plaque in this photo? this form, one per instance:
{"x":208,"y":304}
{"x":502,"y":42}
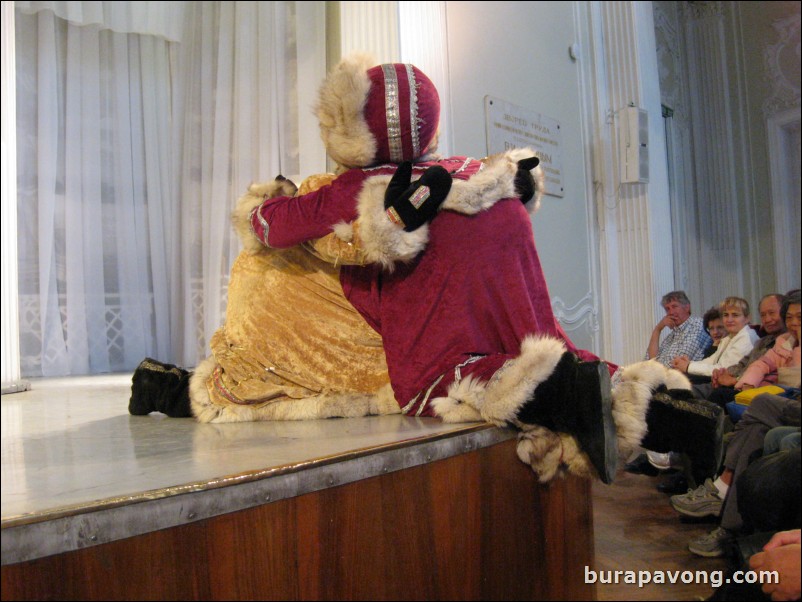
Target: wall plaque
{"x":510,"y":126}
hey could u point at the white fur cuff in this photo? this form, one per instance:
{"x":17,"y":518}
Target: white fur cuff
{"x":382,"y":240}
{"x":513,"y":385}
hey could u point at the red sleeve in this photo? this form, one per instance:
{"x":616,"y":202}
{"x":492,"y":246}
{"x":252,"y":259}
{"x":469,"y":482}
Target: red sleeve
{"x":283,"y":222}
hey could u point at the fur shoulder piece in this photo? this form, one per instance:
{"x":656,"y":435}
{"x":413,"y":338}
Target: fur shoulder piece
{"x":384,"y":242}
{"x":496,"y":181}
{"x":256,"y":195}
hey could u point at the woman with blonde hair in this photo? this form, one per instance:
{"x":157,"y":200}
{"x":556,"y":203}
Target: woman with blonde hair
{"x":740,"y":340}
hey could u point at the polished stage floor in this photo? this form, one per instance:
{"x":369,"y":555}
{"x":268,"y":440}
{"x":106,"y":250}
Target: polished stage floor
{"x":70,"y":449}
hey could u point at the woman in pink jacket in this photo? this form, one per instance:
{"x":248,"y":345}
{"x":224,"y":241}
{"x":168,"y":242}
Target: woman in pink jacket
{"x":781,"y":364}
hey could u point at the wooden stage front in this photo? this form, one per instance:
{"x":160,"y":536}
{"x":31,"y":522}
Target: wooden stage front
{"x":100,"y":505}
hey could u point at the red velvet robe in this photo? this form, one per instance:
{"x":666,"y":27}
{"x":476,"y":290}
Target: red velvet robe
{"x":471,"y":296}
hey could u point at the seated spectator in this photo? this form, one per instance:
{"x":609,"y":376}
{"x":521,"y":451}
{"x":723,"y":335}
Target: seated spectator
{"x":740,"y":341}
{"x":782,"y":438}
{"x":781,"y":554}
{"x":770,"y":493}
{"x":715,"y":328}
{"x":721,"y":388}
{"x":687,"y":336}
{"x":718,"y":498}
{"x":781,"y":364}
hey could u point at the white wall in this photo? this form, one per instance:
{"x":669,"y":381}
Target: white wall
{"x":518,"y":51}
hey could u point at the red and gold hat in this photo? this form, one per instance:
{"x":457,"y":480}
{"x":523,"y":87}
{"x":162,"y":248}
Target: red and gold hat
{"x":372,"y":114}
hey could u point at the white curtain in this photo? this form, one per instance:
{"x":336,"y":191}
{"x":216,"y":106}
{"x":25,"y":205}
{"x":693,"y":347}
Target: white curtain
{"x":138,"y":128}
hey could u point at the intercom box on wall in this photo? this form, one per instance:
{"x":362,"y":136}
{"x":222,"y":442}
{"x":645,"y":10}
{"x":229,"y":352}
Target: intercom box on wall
{"x":633,"y":140}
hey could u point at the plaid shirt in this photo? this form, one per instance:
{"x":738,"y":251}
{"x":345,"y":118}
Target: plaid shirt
{"x":690,"y":339}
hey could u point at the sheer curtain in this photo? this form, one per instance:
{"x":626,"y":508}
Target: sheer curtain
{"x":138,"y":128}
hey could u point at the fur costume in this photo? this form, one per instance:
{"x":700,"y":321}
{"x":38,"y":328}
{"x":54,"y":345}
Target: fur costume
{"x":291,"y":346}
{"x":334,"y":295}
{"x":454,"y":299}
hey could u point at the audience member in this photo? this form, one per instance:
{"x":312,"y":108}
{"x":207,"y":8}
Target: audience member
{"x":781,"y":363}
{"x":687,"y":336}
{"x":781,"y":554}
{"x":782,"y":438}
{"x":715,"y":328}
{"x":717,"y":498}
{"x":720,"y":390}
{"x":740,"y":341}
{"x":770,"y":494}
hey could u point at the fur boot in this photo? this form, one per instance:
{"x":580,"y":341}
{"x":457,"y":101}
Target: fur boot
{"x":569,"y":402}
{"x":158,"y":387}
{"x":655,"y":408}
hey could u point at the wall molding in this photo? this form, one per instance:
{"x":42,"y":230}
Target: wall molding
{"x":784,"y":93}
{"x":584,"y":313}
{"x":783,"y":130}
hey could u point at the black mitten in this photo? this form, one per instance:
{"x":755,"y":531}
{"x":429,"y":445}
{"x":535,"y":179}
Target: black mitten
{"x":524,"y":182}
{"x":412,"y":205}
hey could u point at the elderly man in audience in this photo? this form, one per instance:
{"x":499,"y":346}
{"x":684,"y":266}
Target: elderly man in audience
{"x":687,"y":336}
{"x":732,"y":349}
{"x":740,"y":340}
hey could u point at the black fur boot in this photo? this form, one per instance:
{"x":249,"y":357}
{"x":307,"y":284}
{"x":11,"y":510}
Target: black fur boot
{"x":576,"y":399}
{"x":678,"y":422}
{"x":159,"y":387}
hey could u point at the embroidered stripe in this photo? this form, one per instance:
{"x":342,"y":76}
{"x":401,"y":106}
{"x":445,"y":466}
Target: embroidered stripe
{"x":465,"y":165}
{"x":223,"y":390}
{"x":409,"y":406}
{"x":419,"y":196}
{"x":425,"y":401}
{"x":391,"y":105}
{"x":263,"y":223}
{"x":394,"y":217}
{"x":147,"y":365}
{"x":458,"y":372}
{"x":413,"y":110}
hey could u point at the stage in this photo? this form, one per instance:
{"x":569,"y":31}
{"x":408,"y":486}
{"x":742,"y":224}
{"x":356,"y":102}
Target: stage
{"x":98,"y":504}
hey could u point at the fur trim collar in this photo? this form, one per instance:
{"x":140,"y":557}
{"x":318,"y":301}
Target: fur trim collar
{"x":494,"y":182}
{"x":385,"y":243}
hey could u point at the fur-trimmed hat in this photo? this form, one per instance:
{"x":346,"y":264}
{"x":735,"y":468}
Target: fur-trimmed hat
{"x":372,"y":114}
